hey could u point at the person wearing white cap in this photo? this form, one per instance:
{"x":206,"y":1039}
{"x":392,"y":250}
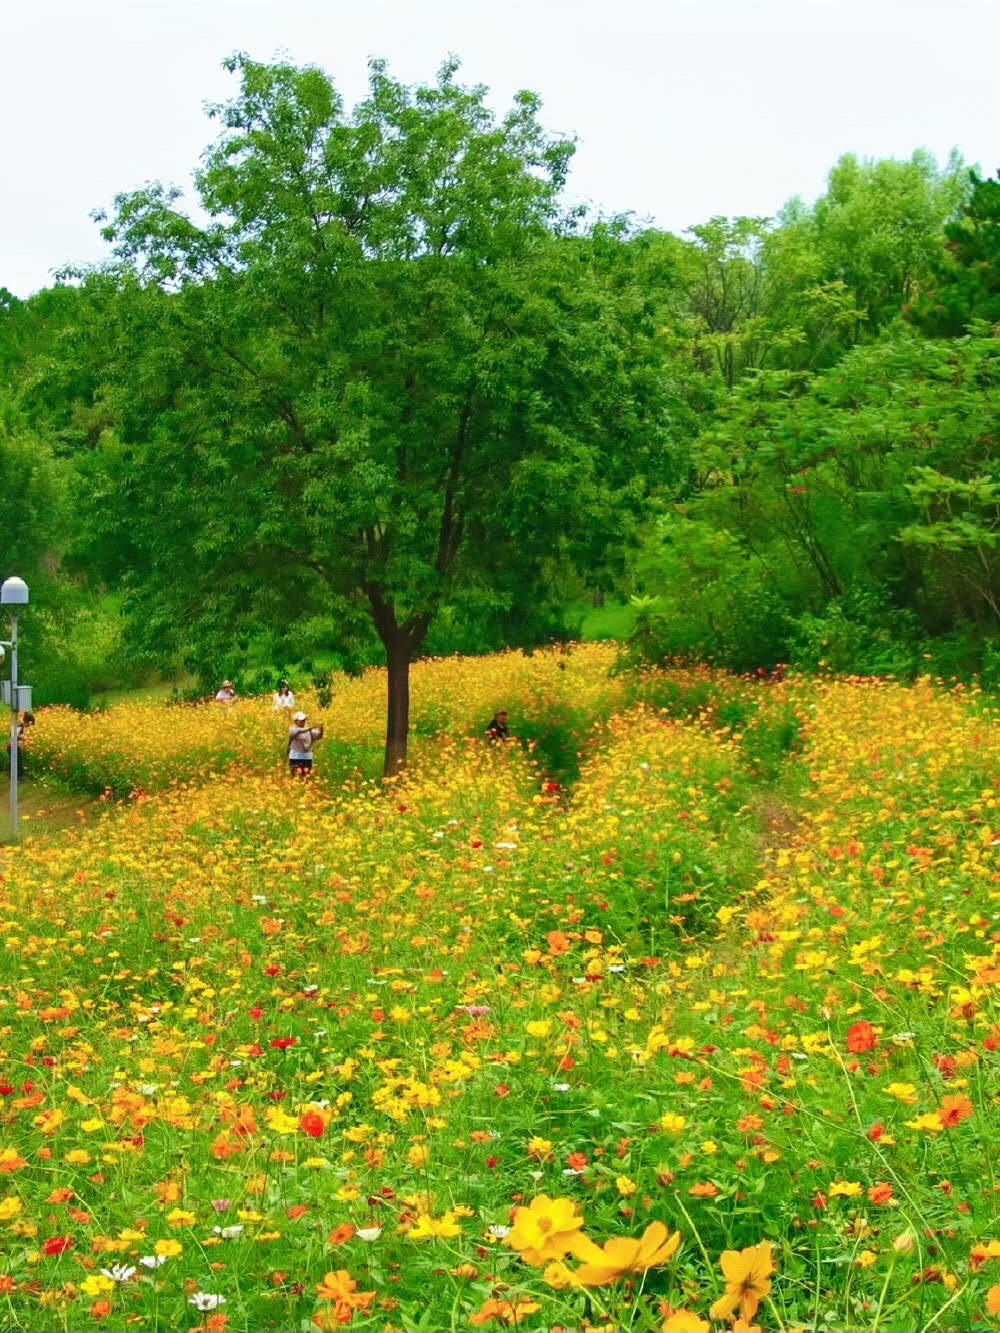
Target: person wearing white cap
{"x":300,"y":745}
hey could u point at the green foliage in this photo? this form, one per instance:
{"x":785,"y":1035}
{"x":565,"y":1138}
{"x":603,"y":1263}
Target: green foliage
{"x":964,"y":283}
{"x":383,"y":374}
{"x":712,"y":598}
{"x":846,"y":518}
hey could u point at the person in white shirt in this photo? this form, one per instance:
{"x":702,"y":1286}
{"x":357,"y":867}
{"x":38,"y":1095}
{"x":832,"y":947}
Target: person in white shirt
{"x":284,"y":699}
{"x":301,"y":739}
{"x":227,"y":694}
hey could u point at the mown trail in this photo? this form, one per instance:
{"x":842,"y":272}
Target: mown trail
{"x":307,"y":1048}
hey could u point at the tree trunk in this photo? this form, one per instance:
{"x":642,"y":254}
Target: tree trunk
{"x":401,"y":642}
{"x":397,"y":725}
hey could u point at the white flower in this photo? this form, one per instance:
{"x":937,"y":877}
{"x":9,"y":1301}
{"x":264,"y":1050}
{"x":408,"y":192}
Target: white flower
{"x":368,"y":1233}
{"x":507,"y":846}
{"x":228,"y":1233}
{"x":498,"y":1232}
{"x":149,"y":1089}
{"x":153,"y":1260}
{"x":571,"y":1171}
{"x":259,"y":899}
{"x":120,"y":1272}
{"x":204,"y":1300}
{"x":560,"y":1087}
{"x":616,"y":967}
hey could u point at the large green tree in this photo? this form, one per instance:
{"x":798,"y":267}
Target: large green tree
{"x":964,"y":282}
{"x":372,"y":367}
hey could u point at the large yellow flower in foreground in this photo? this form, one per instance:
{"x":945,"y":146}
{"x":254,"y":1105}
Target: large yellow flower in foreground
{"x":748,"y":1281}
{"x":611,"y":1261}
{"x":545,"y":1230}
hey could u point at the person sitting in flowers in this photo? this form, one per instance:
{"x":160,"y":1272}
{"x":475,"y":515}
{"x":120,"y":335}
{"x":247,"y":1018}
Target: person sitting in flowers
{"x":497,"y":728}
{"x":301,"y":739}
{"x":227,"y":694}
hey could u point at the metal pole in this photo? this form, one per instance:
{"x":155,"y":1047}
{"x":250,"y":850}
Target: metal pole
{"x":14,"y":756}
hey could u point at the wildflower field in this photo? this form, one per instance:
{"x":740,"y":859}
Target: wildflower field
{"x":680,"y":1013}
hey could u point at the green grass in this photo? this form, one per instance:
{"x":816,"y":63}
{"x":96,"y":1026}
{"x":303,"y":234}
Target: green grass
{"x":45,"y":806}
{"x":614,"y":620}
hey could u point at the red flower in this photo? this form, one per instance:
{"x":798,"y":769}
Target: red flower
{"x":313,"y":1124}
{"x":57,"y":1244}
{"x":283,"y":1043}
{"x":861,"y":1038}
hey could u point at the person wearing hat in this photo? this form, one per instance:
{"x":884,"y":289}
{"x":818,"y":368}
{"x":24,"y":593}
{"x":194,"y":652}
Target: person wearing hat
{"x":227,"y":694}
{"x":300,"y":745}
{"x":284,"y":699}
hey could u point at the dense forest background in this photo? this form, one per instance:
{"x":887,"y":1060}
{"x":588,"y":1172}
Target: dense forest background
{"x":382,"y":394}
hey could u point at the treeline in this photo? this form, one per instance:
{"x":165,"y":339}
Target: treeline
{"x":379,"y":394}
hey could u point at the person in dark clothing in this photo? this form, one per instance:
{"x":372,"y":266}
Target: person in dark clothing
{"x":497,"y":730}
{"x":26,"y":721}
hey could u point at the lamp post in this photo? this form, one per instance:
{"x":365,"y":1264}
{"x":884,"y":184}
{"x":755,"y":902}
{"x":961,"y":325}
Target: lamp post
{"x":13,"y":593}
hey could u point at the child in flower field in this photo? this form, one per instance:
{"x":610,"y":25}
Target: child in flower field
{"x":497,"y":728}
{"x":301,"y":739}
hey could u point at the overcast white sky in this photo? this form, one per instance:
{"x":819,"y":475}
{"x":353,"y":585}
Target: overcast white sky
{"x":683,"y":108}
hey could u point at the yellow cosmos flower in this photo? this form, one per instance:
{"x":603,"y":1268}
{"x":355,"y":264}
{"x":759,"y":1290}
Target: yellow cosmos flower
{"x":903,"y":1092}
{"x":684,"y":1321}
{"x":611,"y":1261}
{"x":929,"y":1123}
{"x":97,"y":1285}
{"x":428,"y":1228}
{"x":845,"y":1189}
{"x":671,"y":1123}
{"x":748,"y":1281}
{"x":544,"y":1230}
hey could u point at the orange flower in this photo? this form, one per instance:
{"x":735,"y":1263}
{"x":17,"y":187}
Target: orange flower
{"x":342,"y":1290}
{"x":861,"y":1038}
{"x":508,"y":1312}
{"x":684,"y":1321}
{"x":544,"y":1230}
{"x":621,"y":1255}
{"x":993,"y":1299}
{"x":880,"y":1194}
{"x":748,"y":1281}
{"x":342,"y":1234}
{"x":954,"y":1109}
{"x":313,"y":1124}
